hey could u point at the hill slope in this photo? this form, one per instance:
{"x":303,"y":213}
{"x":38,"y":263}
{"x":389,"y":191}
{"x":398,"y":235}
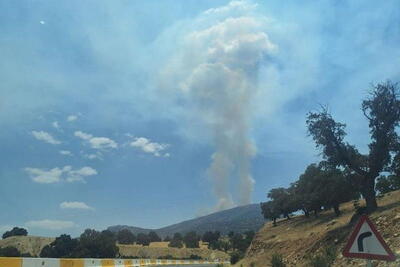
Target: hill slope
{"x":239,"y":219}
{"x":27,"y":244}
{"x":299,"y":238}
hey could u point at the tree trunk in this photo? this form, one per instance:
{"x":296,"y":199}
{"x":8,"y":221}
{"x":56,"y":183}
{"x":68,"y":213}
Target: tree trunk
{"x":336,"y":209}
{"x":306,"y":213}
{"x":274,"y":222}
{"x":369,"y":195}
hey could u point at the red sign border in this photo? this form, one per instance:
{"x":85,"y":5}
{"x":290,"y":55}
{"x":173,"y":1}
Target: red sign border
{"x":347,"y":253}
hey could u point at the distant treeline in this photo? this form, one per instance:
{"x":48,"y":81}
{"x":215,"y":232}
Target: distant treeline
{"x":345,"y":173}
{"x":103,"y":244}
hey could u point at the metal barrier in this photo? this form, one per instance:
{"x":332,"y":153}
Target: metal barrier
{"x":48,"y":262}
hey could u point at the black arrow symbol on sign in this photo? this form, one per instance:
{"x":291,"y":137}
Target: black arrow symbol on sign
{"x":360,"y":240}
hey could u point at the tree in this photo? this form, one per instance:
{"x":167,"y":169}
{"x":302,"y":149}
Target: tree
{"x":382,"y":110}
{"x":336,"y":188}
{"x":16,"y":231}
{"x":125,"y":236}
{"x":62,"y":247}
{"x":270,"y":211}
{"x":153,"y":237}
{"x":191,"y":240}
{"x":167,"y":238}
{"x":211,"y":237}
{"x":283,"y":201}
{"x":231,"y":234}
{"x":386,"y":184}
{"x":309,"y":190}
{"x":249,"y":235}
{"x":143,"y":239}
{"x":94,"y":244}
{"x":177,"y":241}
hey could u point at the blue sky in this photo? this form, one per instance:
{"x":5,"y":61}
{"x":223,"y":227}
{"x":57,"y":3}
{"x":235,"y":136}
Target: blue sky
{"x":148,"y":113}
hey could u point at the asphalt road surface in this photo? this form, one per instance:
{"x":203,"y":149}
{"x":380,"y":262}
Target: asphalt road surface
{"x":196,"y":265}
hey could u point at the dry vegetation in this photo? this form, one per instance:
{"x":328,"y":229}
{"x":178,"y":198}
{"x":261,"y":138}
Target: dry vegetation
{"x":34,"y":244}
{"x":27,"y":244}
{"x":302,"y":237}
{"x":163,"y":251}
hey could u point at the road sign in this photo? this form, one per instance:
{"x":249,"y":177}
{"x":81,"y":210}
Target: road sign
{"x":366,"y":243}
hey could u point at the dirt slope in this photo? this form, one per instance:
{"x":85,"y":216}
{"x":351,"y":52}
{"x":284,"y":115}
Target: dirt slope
{"x":301,"y":237}
{"x":27,"y":244}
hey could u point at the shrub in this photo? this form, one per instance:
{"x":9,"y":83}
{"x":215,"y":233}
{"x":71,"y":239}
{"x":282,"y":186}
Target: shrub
{"x":9,"y":252}
{"x":277,"y":260}
{"x":195,"y":257}
{"x":324,"y":259}
{"x":236,"y":256}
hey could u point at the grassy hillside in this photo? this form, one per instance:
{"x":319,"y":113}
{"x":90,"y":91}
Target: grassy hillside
{"x":298,"y":239}
{"x":239,"y":219}
{"x":27,"y":244}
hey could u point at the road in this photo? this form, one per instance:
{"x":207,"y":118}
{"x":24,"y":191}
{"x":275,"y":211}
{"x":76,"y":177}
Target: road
{"x":196,"y":265}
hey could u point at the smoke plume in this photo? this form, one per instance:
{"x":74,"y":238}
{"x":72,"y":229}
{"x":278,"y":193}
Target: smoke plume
{"x":219,"y":65}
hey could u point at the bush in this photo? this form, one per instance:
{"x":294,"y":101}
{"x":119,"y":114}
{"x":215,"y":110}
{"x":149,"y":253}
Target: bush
{"x":277,"y":260}
{"x":176,"y":243}
{"x":9,"y":252}
{"x":324,"y":259}
{"x":236,"y":256}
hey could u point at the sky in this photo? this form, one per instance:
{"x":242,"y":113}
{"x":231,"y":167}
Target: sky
{"x":147,"y":113}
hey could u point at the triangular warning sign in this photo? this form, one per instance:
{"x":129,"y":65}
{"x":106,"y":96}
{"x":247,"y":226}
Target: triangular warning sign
{"x":366,"y":243}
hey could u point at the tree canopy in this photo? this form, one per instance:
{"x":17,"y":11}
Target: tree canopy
{"x":125,"y":236}
{"x":16,"y":231}
{"x":382,"y":111}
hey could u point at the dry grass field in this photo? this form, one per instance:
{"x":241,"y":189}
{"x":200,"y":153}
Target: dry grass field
{"x":299,"y":238}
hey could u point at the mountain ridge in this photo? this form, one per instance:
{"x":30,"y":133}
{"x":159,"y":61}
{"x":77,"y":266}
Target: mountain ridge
{"x":238,"y":219}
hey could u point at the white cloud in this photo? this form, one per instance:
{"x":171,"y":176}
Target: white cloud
{"x":102,"y":143}
{"x":79,"y":175}
{"x":50,"y":224}
{"x":93,"y":156}
{"x":45,"y":177}
{"x":56,"y":125}
{"x":75,"y":205}
{"x":83,"y":135}
{"x":42,"y":22}
{"x":241,"y":6}
{"x":66,"y":153}
{"x":46,"y":137}
{"x":150,"y":147}
{"x":96,"y":142}
{"x":57,"y":175}
{"x":71,"y":118}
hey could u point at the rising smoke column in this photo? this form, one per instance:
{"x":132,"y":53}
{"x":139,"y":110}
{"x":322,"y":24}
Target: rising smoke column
{"x":220,"y":64}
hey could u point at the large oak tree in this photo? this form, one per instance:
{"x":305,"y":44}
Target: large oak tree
{"x":382,"y":110}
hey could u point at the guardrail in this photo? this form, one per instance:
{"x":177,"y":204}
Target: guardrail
{"x":49,"y":262}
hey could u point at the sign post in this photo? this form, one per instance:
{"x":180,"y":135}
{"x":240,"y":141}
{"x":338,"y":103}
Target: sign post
{"x":366,"y":243}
